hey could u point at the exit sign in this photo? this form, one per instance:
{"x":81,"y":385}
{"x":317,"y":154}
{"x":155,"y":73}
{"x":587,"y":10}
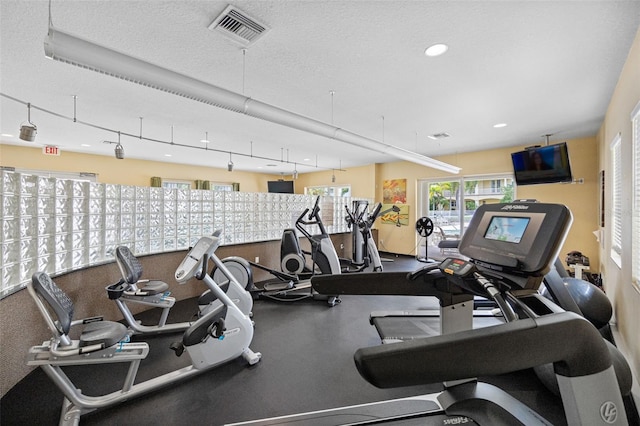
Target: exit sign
{"x":50,"y":150}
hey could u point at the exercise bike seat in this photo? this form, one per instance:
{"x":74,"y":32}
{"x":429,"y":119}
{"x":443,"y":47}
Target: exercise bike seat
{"x":95,"y":330}
{"x":131,"y":270}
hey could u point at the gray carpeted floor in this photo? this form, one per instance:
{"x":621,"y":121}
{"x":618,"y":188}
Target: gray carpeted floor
{"x":307,"y":364}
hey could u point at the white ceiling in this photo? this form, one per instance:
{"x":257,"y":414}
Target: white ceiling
{"x":542,"y":67}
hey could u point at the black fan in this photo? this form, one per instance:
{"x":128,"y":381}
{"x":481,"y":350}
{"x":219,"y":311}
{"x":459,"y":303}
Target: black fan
{"x":424,"y":227}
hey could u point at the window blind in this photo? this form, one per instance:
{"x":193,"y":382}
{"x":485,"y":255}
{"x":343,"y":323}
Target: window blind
{"x":635,"y":226}
{"x":616,"y":207}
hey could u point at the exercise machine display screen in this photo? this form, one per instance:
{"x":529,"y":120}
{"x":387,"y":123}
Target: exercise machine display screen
{"x":508,"y":229}
{"x":457,"y":267}
{"x":521,"y":237}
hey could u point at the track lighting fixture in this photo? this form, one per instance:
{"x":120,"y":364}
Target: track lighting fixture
{"x":295,"y":173}
{"x":119,"y":150}
{"x":333,"y":177}
{"x":230,"y":164}
{"x":28,"y":130}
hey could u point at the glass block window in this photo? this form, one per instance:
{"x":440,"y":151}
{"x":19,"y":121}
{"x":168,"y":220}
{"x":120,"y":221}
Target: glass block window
{"x":58,"y":225}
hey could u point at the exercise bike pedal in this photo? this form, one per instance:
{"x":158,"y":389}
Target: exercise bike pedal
{"x":177,"y":347}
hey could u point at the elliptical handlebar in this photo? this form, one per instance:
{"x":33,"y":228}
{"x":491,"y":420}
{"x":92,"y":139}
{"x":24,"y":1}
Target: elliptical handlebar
{"x":315,"y":210}
{"x":313,"y":219}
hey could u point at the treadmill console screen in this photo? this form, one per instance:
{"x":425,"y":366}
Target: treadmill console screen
{"x":520,"y":237}
{"x":509,"y":229}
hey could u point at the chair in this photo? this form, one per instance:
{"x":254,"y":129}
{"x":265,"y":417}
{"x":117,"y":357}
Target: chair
{"x":446,"y":243}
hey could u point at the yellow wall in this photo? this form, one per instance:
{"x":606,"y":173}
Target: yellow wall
{"x":365,"y":181}
{"x":617,"y":281}
{"x":362,"y":180}
{"x":127,"y":171}
{"x":582,"y":199}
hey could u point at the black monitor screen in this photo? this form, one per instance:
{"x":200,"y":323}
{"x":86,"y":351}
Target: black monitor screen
{"x":506,"y":228}
{"x":280,"y":186}
{"x":520,"y":236}
{"x":545,"y":164}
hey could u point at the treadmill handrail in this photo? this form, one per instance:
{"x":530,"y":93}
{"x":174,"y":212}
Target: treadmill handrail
{"x":499,"y":349}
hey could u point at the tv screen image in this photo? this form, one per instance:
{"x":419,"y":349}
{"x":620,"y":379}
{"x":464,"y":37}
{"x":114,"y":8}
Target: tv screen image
{"x":507,"y":229}
{"x":280,"y":186}
{"x":545,"y":164}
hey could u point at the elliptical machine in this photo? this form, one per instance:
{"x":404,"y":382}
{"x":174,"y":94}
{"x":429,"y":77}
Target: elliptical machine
{"x":365,"y":250}
{"x":222,"y":334}
{"x":292,"y":283}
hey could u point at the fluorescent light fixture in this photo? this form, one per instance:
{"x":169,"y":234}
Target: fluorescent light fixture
{"x":70,"y":49}
{"x":436,"y":49}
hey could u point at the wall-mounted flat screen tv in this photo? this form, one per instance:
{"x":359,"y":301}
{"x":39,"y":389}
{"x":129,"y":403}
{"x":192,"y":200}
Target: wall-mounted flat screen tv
{"x":280,"y":186}
{"x":542,"y":164}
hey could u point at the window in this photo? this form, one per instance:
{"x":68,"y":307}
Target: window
{"x":452,"y":203}
{"x":219,"y":186}
{"x":176,"y":184}
{"x":333,"y":191}
{"x":87,"y":176}
{"x":616,"y":207}
{"x":635,"y":226}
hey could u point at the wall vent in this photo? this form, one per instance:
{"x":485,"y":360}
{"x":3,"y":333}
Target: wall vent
{"x":238,"y":26}
{"x":437,"y":136}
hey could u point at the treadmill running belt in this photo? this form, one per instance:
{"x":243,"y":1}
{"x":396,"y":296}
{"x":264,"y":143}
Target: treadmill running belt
{"x":394,"y":329}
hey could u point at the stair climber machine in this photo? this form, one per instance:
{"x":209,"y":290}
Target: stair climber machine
{"x":508,"y":249}
{"x":364,"y":249}
{"x":292,"y":283}
{"x":132,"y":289}
{"x":222,"y":334}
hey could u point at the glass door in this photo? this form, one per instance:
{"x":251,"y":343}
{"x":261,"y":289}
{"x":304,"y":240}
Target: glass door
{"x":450,"y":204}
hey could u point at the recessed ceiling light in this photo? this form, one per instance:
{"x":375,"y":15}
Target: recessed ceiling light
{"x":204,"y":140}
{"x":499,"y":125}
{"x":307,"y":159}
{"x":436,"y":49}
{"x":6,"y":135}
{"x":85,"y":144}
{"x":167,"y":155}
{"x":437,"y":136}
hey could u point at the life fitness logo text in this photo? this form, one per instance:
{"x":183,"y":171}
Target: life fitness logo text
{"x":609,"y":412}
{"x":515,"y":207}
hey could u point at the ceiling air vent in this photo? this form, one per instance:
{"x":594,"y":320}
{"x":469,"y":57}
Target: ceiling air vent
{"x":437,"y":136}
{"x":238,"y":26}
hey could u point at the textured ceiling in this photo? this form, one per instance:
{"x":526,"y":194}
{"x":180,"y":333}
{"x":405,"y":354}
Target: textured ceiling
{"x":541,"y":67}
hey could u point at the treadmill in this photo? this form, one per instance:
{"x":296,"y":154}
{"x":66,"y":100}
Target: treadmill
{"x":510,"y":247}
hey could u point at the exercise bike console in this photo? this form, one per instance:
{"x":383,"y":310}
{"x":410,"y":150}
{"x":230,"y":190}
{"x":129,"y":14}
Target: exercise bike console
{"x":192,"y":263}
